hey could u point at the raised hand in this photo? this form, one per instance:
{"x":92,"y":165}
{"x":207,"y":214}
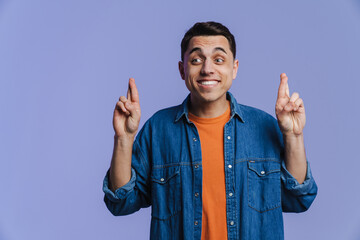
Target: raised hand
{"x":290,"y":111}
{"x":127,"y":113}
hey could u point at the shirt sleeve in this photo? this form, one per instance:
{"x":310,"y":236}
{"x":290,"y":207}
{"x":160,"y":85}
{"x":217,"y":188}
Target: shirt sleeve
{"x":120,"y":193}
{"x":297,"y":197}
{"x":136,"y":193}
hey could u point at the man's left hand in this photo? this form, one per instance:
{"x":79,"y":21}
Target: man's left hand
{"x":290,"y":111}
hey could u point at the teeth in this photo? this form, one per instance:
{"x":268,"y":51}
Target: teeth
{"x":208,"y":82}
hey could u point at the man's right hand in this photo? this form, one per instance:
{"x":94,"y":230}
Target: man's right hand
{"x":127,"y":113}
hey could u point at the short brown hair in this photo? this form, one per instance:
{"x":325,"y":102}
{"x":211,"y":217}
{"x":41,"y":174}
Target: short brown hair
{"x":207,"y":29}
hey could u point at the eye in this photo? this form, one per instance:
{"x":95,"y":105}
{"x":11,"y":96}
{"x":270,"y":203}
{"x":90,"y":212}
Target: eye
{"x":196,"y":60}
{"x":219,"y":60}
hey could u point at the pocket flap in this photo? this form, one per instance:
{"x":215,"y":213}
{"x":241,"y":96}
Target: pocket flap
{"x":163,"y":175}
{"x":263,"y":168}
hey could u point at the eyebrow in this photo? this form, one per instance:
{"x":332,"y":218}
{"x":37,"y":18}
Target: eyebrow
{"x":196,"y":49}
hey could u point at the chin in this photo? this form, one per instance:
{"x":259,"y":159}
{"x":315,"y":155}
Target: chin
{"x":208,"y":98}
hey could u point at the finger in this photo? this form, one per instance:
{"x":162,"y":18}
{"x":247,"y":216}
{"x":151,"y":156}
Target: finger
{"x":289,"y":107}
{"x":287,"y":89}
{"x":121,"y":106}
{"x":294,"y":97}
{"x":299,"y":103}
{"x":280,"y":104}
{"x":283,"y":87}
{"x":133,"y":91}
{"x":131,"y":108}
{"x":123,"y":99}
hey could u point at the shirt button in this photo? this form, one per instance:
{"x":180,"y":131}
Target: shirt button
{"x":196,"y":166}
{"x":162,"y":179}
{"x":230,"y":194}
{"x":196,"y":194}
{"x":229,"y":137}
{"x":194,"y":139}
{"x":230,"y":166}
{"x":232,"y":223}
{"x":196,"y":222}
{"x":262,"y":172}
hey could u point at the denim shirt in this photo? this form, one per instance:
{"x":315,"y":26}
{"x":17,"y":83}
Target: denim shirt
{"x":167,"y":175}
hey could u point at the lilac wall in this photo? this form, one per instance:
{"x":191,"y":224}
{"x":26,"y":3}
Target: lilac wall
{"x":64,"y":64}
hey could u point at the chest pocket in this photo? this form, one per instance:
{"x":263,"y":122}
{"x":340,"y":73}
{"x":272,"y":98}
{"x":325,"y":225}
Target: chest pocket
{"x":264,"y":186}
{"x":166,"y":192}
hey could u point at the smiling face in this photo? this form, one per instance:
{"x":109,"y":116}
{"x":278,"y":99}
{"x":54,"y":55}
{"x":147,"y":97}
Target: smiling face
{"x":208,"y":69}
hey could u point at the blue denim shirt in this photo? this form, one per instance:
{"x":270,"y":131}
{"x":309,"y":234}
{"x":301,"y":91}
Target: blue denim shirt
{"x":167,"y":175}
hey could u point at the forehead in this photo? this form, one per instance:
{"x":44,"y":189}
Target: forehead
{"x":208,"y":42}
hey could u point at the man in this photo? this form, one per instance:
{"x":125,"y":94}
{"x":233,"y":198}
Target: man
{"x":210,"y":168}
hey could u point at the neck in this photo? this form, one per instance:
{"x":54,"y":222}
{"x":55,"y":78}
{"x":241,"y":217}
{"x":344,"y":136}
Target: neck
{"x":208,"y":109}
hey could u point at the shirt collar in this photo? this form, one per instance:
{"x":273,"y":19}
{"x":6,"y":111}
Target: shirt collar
{"x":235,"y":108}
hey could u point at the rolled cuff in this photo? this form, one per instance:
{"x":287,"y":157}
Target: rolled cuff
{"x":291,"y":184}
{"x":122,"y":192}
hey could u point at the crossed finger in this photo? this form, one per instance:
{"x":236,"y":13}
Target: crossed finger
{"x":283,"y":87}
{"x":133,"y":94}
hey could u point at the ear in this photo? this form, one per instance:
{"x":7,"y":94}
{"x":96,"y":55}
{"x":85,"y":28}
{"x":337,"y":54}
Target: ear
{"x":181,"y":70}
{"x":235,"y":68}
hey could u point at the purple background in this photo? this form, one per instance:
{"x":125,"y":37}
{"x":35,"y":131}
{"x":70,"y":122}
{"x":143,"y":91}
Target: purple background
{"x":64,"y":64}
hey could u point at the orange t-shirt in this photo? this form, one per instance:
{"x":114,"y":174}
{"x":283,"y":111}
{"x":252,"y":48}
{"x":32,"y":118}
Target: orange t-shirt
{"x":211,"y":132}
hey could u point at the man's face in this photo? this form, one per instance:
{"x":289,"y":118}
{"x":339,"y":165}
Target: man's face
{"x":208,"y":68}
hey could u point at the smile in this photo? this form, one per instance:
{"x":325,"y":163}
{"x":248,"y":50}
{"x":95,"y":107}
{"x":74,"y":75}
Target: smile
{"x":207,"y":82}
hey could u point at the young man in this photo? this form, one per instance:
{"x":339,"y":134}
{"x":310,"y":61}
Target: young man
{"x":210,"y":168}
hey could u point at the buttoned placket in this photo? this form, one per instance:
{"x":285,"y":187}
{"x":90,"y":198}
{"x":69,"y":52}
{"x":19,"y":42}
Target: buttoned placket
{"x":194,"y":138}
{"x":229,"y":180}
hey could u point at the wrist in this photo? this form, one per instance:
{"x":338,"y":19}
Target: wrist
{"x":293,"y":141}
{"x":124,"y":140}
{"x":291,"y":135}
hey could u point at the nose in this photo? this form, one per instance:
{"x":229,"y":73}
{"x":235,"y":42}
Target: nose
{"x":207,"y":67}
